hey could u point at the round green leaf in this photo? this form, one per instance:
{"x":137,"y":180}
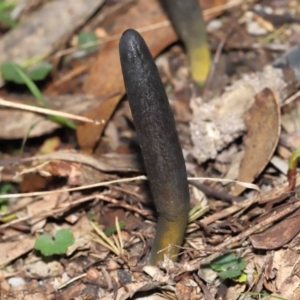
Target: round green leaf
{"x":86,"y":38}
{"x":59,"y":245}
{"x":39,"y":71}
{"x":9,"y":70}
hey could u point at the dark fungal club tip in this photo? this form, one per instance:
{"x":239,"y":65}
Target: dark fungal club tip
{"x":159,"y":142}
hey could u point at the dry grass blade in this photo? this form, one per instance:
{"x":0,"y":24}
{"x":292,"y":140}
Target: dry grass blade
{"x":89,"y":186}
{"x":247,"y":185}
{"x":46,"y":111}
{"x":119,"y":235}
{"x":114,"y":243}
{"x":197,"y":211}
{"x":105,"y":241}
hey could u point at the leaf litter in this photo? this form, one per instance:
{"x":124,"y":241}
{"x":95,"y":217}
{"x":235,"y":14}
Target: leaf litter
{"x":90,"y":182}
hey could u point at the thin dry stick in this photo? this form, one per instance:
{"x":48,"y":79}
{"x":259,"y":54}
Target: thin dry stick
{"x":79,"y":188}
{"x":112,"y":38}
{"x":45,"y":214}
{"x":263,"y":198}
{"x":71,"y":281}
{"x":95,"y":185}
{"x":258,"y":277}
{"x":229,"y":211}
{"x":65,"y":207}
{"x":292,"y":207}
{"x":204,"y":288}
{"x":46,"y":111}
{"x":225,"y":6}
{"x":291,"y":99}
{"x":117,"y":243}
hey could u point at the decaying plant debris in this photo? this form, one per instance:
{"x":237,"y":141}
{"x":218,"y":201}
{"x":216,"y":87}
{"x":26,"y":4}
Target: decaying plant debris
{"x":242,"y":125}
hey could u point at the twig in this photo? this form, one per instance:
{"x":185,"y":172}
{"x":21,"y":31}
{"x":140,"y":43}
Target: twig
{"x":292,"y":207}
{"x":46,"y":111}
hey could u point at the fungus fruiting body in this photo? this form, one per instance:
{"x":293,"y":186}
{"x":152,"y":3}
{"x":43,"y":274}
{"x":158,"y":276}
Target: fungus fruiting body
{"x":159,"y":143}
{"x":187,"y":19}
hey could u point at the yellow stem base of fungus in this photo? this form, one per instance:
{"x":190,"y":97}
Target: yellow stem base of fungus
{"x":200,"y":62}
{"x":167,"y":235}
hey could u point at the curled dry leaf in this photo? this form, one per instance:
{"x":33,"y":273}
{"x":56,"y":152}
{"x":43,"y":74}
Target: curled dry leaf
{"x":263,"y":123}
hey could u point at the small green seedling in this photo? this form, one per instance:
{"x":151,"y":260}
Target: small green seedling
{"x":88,"y":41}
{"x":113,"y":229}
{"x":11,"y":71}
{"x":228,"y":266}
{"x":57,"y":246}
{"x":292,"y":170}
{"x":39,"y":71}
{"x":6,"y":8}
{"x":4,"y":189}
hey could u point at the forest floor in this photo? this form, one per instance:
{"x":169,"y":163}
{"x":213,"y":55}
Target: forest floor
{"x":76,"y":215}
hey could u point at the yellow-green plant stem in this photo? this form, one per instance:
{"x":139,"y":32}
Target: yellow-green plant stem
{"x":293,"y":161}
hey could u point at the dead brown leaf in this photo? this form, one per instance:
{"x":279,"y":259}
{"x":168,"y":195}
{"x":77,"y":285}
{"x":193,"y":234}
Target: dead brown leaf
{"x":37,"y":208}
{"x":15,"y":249}
{"x":88,"y":135}
{"x":105,"y":76}
{"x":263,"y":123}
{"x":71,"y":292}
{"x":183,"y":290}
{"x":284,"y":262}
{"x":286,"y":230}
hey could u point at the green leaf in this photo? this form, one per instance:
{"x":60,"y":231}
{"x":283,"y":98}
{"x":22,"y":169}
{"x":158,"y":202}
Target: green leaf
{"x":31,"y":86}
{"x":228,"y":265}
{"x":64,"y":238}
{"x":4,"y":189}
{"x":10,"y":73}
{"x":242,"y":278}
{"x":59,"y":245}
{"x":87,"y":40}
{"x":109,"y":231}
{"x":5,"y":13}
{"x":13,"y":72}
{"x":4,"y":6}
{"x":39,"y":71}
{"x":45,"y":244}
{"x":6,"y":19}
